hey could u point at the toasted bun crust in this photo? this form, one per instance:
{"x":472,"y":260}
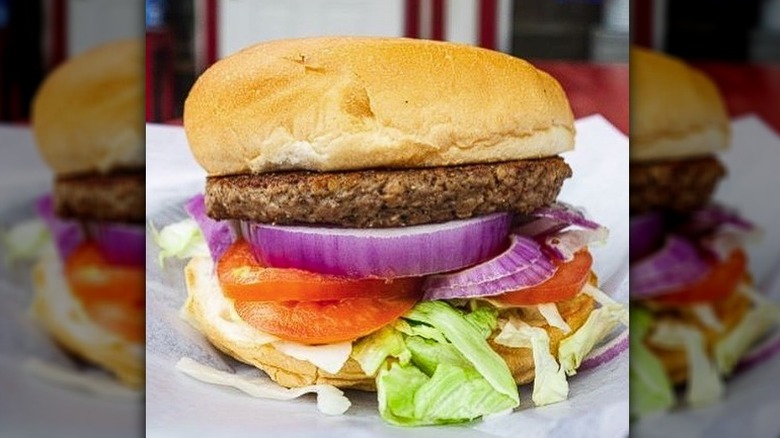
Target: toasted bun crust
{"x":354,"y":102}
{"x":87,"y":116}
{"x":68,"y":323}
{"x":677,"y":111}
{"x":290,"y":372}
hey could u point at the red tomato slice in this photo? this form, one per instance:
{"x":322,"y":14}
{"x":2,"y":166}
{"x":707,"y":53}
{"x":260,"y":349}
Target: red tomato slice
{"x":721,"y":282}
{"x":243,"y":279}
{"x":565,"y":284}
{"x":113,"y":296}
{"x":323,"y":322}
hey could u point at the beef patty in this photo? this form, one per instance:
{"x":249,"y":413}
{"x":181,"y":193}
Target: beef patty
{"x":679,"y":186}
{"x":387,"y":197}
{"x":113,"y":197}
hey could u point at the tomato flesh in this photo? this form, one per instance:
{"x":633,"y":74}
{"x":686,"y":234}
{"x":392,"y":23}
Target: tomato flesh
{"x":243,"y":279}
{"x":112,"y":295}
{"x":566,"y":283}
{"x":310,"y":308}
{"x":323,"y":322}
{"x":721,"y":282}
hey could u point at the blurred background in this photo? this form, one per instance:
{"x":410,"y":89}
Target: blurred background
{"x":584,"y":43}
{"x":46,"y":389}
{"x":37,"y":35}
{"x":737,"y":43}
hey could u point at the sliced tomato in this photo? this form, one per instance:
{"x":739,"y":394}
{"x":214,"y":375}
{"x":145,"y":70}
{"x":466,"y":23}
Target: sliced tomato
{"x":243,"y":279}
{"x":721,"y":282}
{"x":323,"y":322}
{"x":112,"y":295}
{"x":567,"y":282}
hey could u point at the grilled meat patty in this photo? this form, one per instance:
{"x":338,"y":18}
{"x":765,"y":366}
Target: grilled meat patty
{"x":675,"y":185}
{"x":381,"y":198}
{"x":113,"y":197}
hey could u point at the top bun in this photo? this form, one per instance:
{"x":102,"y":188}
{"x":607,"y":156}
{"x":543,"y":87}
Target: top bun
{"x":344,"y":103}
{"x":87,"y":116}
{"x":677,"y":111}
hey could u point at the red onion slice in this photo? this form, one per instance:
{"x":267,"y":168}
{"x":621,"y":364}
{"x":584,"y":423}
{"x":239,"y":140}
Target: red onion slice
{"x":565,"y":244}
{"x":713,"y":216}
{"x":522,"y":265}
{"x":606,"y":352}
{"x":66,"y":234}
{"x":219,"y":235}
{"x":645,"y":235}
{"x":565,"y":213}
{"x":761,"y":352}
{"x":382,"y":252}
{"x":121,"y":244}
{"x":676,"y":264}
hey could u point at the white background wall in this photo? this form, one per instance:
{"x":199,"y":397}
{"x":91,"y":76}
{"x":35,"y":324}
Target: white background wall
{"x":245,"y":22}
{"x":91,"y":22}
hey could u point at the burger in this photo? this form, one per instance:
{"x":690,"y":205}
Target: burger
{"x":695,"y":313}
{"x":381,"y":215}
{"x":89,"y":285}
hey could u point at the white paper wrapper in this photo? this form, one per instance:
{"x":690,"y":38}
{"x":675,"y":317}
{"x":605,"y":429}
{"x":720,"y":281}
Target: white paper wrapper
{"x":29,"y":404}
{"x":178,"y":405}
{"x":752,"y":402}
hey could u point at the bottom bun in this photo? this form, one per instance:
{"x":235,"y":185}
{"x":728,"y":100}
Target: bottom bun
{"x":66,"y":320}
{"x":213,"y":314}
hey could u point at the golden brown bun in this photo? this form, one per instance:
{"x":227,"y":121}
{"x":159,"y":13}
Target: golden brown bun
{"x":676,"y":110}
{"x":68,"y":323}
{"x":290,"y":372}
{"x":354,"y":102}
{"x":729,"y":311}
{"x":88,"y":114}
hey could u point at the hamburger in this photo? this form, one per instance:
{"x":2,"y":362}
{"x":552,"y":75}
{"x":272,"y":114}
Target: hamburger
{"x":89,"y":285}
{"x":381,"y":215}
{"x":695,"y":309}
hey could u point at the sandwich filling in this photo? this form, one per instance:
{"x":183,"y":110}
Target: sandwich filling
{"x":443,"y":320}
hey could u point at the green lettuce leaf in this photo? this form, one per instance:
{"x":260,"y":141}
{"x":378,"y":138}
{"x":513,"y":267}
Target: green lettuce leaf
{"x":650,"y":387}
{"x":371,"y":351}
{"x":453,"y":374}
{"x":181,"y":239}
{"x":25,"y":240}
{"x":428,"y":354}
{"x":469,"y":341}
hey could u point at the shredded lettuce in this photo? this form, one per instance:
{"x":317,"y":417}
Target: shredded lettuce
{"x":617,"y":309}
{"x":704,"y":383}
{"x":25,"y":240}
{"x":550,"y":313}
{"x":371,"y":351}
{"x":452,"y":376}
{"x":573,"y":349}
{"x":181,"y":239}
{"x":707,"y":316}
{"x":650,"y":387}
{"x":730,"y":349}
{"x":330,"y":400}
{"x":550,"y":385}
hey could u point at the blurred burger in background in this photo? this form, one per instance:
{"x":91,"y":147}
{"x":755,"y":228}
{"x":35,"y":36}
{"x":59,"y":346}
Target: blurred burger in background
{"x":89,"y":285}
{"x":695,"y":313}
